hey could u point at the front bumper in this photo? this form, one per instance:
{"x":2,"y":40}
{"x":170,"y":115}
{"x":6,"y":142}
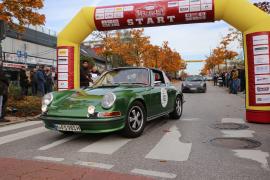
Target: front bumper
{"x":193,"y":89}
{"x":87,"y":125}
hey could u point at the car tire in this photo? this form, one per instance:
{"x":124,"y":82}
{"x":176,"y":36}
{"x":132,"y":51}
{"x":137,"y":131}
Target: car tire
{"x":205,"y":89}
{"x":178,"y":109}
{"x":135,"y":121}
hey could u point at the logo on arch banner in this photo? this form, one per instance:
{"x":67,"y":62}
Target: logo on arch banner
{"x":157,"y":13}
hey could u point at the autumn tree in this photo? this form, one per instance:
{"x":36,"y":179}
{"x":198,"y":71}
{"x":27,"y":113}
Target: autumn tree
{"x":171,"y":60}
{"x":152,"y":56}
{"x":264,"y":5}
{"x":135,"y":49}
{"x":19,"y":13}
{"x":106,"y":39}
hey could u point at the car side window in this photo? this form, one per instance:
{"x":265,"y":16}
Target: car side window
{"x":158,"y":78}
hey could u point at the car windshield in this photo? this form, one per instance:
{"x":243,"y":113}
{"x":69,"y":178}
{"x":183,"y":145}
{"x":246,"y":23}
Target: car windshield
{"x":124,"y":76}
{"x":194,"y":78}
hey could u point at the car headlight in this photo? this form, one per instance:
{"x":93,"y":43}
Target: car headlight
{"x":46,"y":101}
{"x":108,"y":100}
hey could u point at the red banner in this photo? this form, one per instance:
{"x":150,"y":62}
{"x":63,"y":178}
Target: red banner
{"x":65,"y":67}
{"x":159,"y":13}
{"x":258,"y":54}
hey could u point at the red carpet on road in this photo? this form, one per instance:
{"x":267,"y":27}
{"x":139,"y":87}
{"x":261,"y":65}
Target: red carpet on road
{"x":13,"y":169}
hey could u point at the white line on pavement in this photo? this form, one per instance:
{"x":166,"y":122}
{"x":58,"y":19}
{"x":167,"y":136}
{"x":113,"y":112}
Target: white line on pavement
{"x":233,"y":120}
{"x":238,"y":133}
{"x":170,"y":148}
{"x":255,"y":155}
{"x":94,"y":165}
{"x":107,"y":145}
{"x":59,"y":142}
{"x":190,"y":119}
{"x":44,"y":158}
{"x":21,"y":135}
{"x":154,"y":173}
{"x":20,"y":125}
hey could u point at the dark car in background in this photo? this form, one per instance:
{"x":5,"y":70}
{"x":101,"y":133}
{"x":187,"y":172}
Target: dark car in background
{"x":194,"y":84}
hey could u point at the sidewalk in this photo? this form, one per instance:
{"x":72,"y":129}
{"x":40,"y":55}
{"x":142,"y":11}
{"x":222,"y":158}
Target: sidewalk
{"x":13,"y":169}
{"x":14,"y":120}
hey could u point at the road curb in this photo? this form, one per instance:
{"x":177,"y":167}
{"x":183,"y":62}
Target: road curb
{"x":34,"y":118}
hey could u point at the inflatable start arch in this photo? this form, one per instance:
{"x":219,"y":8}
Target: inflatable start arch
{"x":241,"y":14}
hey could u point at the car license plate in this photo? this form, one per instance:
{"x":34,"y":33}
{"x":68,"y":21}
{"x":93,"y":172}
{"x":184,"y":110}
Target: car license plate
{"x":72,"y":128}
{"x":193,"y":89}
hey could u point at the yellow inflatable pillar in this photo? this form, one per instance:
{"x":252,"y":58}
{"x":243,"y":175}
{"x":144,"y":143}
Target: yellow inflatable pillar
{"x":255,"y":26}
{"x":68,"y":43}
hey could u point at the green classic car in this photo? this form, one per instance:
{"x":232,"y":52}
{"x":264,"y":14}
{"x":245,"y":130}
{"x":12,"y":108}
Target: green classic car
{"x":122,"y":99}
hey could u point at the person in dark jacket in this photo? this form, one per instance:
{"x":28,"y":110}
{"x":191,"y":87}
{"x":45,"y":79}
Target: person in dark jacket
{"x":41,"y":81}
{"x":33,"y":81}
{"x":49,"y":80}
{"x":85,"y":74}
{"x":23,"y":82}
{"x":3,"y":93}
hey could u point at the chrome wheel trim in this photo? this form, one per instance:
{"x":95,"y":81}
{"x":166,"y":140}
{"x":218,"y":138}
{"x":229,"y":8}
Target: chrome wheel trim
{"x":178,"y":107}
{"x":135,"y":118}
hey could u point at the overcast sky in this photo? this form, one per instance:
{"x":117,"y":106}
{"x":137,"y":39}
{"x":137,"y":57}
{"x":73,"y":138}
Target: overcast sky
{"x":193,"y":42}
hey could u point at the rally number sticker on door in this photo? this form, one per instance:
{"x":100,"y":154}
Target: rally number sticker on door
{"x":164,"y":97}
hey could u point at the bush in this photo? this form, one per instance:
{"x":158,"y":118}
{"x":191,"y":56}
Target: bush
{"x":14,"y":91}
{"x":26,"y":106}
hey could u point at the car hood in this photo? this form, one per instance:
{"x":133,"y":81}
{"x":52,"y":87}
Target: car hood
{"x":76,"y":102}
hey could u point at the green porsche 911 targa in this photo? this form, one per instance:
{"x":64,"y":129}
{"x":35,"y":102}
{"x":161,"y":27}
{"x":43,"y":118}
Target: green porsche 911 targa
{"x":122,"y":99}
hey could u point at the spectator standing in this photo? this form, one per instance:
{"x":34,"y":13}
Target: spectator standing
{"x":227,"y":77}
{"x":85,"y":74}
{"x":215,"y":78}
{"x":49,"y":80}
{"x":23,"y":82}
{"x":41,"y":81}
{"x":3,"y":93}
{"x":235,"y":80}
{"x":242,"y":78}
{"x":223,"y":79}
{"x":33,"y":81}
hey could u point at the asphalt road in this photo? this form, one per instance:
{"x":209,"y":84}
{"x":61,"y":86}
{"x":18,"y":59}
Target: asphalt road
{"x":168,"y":149}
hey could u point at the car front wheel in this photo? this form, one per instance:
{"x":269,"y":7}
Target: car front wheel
{"x":135,"y":122}
{"x":178,"y":109}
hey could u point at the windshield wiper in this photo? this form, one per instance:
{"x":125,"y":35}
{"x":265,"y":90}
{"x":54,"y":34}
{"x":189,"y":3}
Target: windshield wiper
{"x":133,"y":83}
{"x":108,"y":85}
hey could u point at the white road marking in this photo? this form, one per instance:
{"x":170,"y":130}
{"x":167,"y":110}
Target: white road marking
{"x":95,"y":165}
{"x":170,"y":148}
{"x":255,"y":155}
{"x":238,"y":133}
{"x":44,"y":158}
{"x":154,"y":173}
{"x":21,"y":135}
{"x":190,"y":119}
{"x":59,"y":142}
{"x":233,"y":120}
{"x":107,"y":145}
{"x":18,"y":126}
